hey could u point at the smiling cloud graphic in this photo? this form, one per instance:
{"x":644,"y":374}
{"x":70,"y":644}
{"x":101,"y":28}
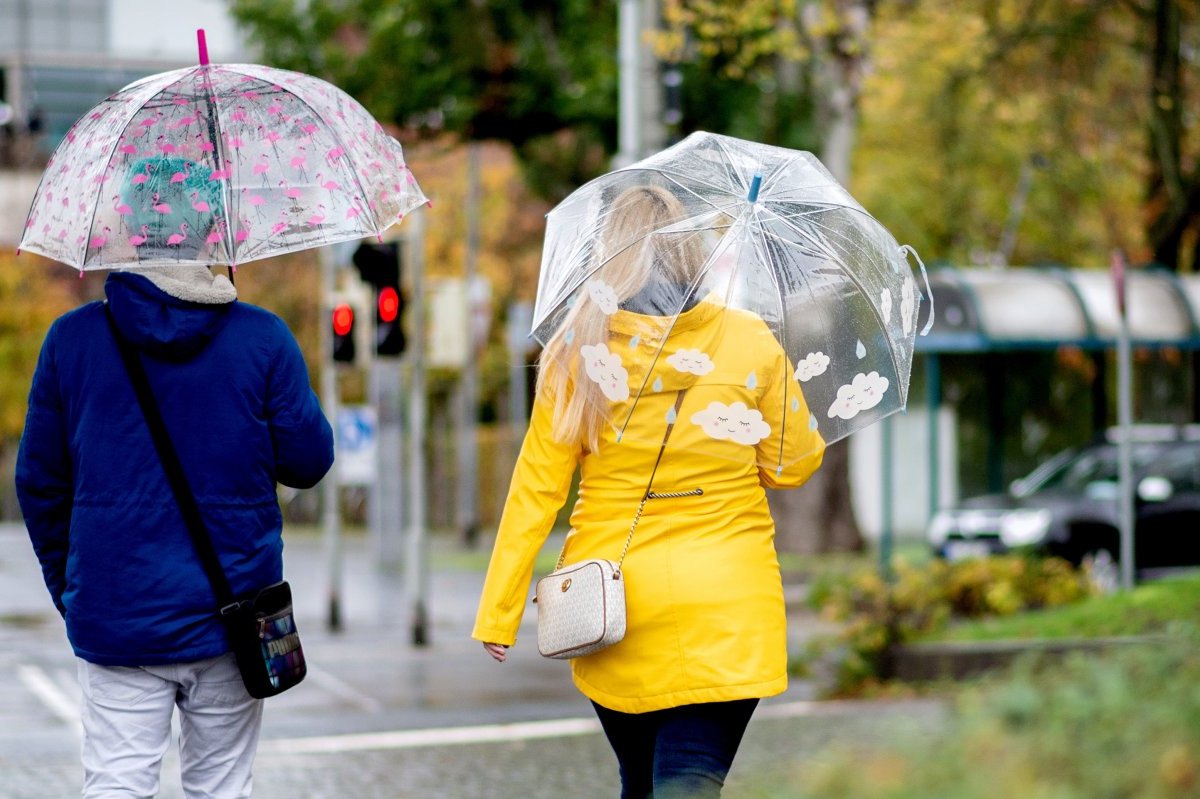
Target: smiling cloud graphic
{"x":863,"y":392}
{"x":603,"y":295}
{"x":605,"y":370}
{"x":693,"y":361}
{"x":734,"y":422}
{"x":815,"y":363}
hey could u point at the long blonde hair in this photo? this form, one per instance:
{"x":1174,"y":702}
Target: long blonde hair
{"x":627,"y":255}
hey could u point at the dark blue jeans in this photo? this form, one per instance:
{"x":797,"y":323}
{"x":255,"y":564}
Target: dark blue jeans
{"x":679,"y":753}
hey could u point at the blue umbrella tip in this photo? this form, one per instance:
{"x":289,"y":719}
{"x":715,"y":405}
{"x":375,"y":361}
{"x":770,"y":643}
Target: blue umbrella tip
{"x":754,"y":186}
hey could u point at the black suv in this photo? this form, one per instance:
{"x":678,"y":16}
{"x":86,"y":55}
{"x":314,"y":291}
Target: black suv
{"x":1068,"y":507}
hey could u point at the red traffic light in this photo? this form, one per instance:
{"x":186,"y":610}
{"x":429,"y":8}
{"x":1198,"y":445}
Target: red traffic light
{"x":389,"y":304}
{"x":343,"y":319}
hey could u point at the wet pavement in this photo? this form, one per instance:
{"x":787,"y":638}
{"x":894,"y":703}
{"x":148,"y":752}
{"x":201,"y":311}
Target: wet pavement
{"x":379,"y":717}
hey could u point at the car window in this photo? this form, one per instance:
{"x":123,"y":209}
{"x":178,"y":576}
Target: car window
{"x":1181,"y":465}
{"x":1097,"y":465}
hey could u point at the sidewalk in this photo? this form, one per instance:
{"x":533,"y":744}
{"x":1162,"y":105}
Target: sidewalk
{"x":380,"y":718}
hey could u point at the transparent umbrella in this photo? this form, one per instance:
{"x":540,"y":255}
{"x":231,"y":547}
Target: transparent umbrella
{"x":727,"y":231}
{"x":217,"y":164}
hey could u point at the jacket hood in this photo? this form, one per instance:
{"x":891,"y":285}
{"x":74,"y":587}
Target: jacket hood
{"x":158,"y":323}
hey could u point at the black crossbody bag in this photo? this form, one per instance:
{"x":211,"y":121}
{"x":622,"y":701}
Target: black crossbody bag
{"x":261,"y":628}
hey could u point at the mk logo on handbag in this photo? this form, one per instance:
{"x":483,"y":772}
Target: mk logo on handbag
{"x":566,"y":584}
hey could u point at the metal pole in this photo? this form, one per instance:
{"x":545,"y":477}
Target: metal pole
{"x":933,"y":394}
{"x":416,"y":563}
{"x":1125,"y":423}
{"x":330,"y":514}
{"x":468,"y":453}
{"x":629,"y":134}
{"x":886,"y":533}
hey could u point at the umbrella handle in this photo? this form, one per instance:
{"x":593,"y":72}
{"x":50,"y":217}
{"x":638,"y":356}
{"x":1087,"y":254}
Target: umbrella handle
{"x":202,"y":46}
{"x":904,"y":252}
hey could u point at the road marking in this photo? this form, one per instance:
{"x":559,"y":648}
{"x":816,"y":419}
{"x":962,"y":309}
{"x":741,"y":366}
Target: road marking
{"x":484,"y":733}
{"x":54,"y":698}
{"x":444,"y":736}
{"x":344,"y":691}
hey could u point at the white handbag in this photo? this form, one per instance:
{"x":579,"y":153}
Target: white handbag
{"x":581,"y":607}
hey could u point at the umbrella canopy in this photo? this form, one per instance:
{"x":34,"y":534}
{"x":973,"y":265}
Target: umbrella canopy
{"x":719,"y":228}
{"x":217,"y":164}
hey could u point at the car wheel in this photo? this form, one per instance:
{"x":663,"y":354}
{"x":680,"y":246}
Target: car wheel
{"x":1103,"y":571}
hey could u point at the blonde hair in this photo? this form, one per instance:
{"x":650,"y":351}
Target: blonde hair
{"x":627,"y":254}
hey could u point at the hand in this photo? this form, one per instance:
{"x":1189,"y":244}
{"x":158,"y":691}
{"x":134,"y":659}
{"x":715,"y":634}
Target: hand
{"x":498,"y":651}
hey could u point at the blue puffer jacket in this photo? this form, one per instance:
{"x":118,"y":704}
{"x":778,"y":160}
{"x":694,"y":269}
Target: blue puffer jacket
{"x":115,"y":553}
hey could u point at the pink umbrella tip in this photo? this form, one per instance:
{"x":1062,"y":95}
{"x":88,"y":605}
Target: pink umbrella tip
{"x":202,"y":45}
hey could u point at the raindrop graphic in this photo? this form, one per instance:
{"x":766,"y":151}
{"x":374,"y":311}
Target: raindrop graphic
{"x":860,"y":351}
{"x":778,"y":470}
{"x":812,"y":422}
{"x":752,"y":381}
{"x":658,"y":384}
{"x":571,"y":300}
{"x":569,"y":336}
{"x":671,"y":415}
{"x":633,"y":342}
{"x":795,"y":403}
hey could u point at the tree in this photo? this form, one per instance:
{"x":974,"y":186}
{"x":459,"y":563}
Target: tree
{"x":539,"y":75}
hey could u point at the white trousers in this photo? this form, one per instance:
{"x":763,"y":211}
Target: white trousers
{"x":127,"y":728}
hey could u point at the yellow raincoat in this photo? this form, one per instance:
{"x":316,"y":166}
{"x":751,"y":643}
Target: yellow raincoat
{"x":704,"y":598}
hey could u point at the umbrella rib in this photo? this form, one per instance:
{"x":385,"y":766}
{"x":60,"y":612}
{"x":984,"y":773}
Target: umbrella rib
{"x":788,"y":221}
{"x":773,"y":273}
{"x":214,"y":121}
{"x":870,"y":304}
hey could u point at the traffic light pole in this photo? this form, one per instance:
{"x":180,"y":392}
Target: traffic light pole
{"x":330,"y":513}
{"x":417,"y":559}
{"x":468,"y":453}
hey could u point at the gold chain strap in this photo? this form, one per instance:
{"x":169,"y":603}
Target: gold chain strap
{"x":648,"y":495}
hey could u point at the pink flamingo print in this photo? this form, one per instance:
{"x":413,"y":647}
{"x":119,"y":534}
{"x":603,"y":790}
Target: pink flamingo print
{"x":183,"y":174}
{"x":99,"y":241}
{"x":142,"y":176}
{"x":278,"y":227}
{"x":298,"y":163}
{"x":215,"y":236}
{"x":205,"y":146}
{"x":334,"y":154}
{"x":262,"y":167}
{"x":318,"y":216}
{"x":160,"y":207}
{"x":257,"y":200}
{"x":352,"y":212}
{"x":138,"y":239}
{"x":291,"y":192}
{"x":128,"y":149}
{"x":175,"y":239}
{"x":275,"y":108}
{"x":220,"y":174}
{"x":330,"y":184}
{"x":242,"y":234}
{"x":198,"y":205}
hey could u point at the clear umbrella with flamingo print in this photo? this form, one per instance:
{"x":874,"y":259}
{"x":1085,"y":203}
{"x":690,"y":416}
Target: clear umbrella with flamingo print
{"x":217,"y":164}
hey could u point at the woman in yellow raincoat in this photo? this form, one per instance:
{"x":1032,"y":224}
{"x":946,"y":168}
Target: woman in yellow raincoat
{"x":706,"y":635}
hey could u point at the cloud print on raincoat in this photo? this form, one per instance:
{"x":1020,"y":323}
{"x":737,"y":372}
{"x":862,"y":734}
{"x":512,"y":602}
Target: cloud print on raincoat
{"x":691,"y":361}
{"x":604,"y":368}
{"x":734,"y":422}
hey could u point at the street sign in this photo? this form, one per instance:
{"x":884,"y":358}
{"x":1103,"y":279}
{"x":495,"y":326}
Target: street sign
{"x":357,"y":444}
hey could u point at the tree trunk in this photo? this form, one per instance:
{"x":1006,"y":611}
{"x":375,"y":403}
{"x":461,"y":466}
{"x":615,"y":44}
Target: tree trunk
{"x":1173,"y":199}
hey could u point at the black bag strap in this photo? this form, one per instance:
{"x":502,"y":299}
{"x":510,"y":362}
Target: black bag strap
{"x":174,"y":469}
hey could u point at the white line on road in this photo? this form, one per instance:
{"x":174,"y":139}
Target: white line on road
{"x":344,"y":691}
{"x":53,"y":697}
{"x":445,"y":736}
{"x":485,"y":733}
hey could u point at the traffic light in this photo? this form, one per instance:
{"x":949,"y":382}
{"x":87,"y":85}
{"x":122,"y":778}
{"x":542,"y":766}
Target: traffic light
{"x":343,"y":332}
{"x":379,"y":265}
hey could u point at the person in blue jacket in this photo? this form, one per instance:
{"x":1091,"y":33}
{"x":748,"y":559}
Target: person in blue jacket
{"x":114,"y":550}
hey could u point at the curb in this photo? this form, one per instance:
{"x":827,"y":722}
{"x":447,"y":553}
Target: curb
{"x":957,"y":660}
